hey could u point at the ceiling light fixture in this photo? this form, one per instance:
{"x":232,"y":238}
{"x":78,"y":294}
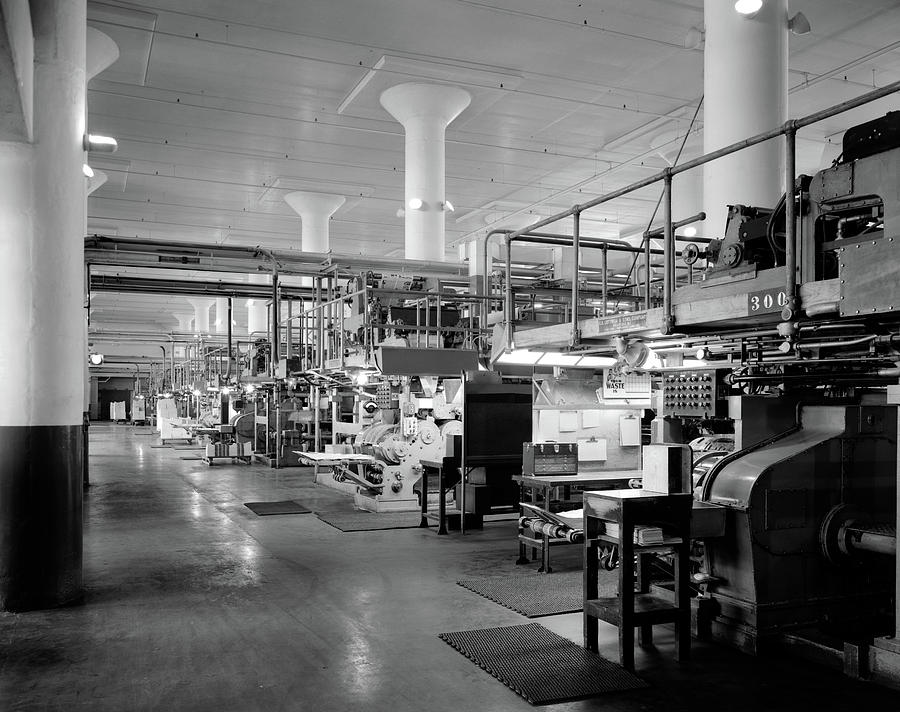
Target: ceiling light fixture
{"x":101,"y":144}
{"x":87,"y":170}
{"x":525,"y":357}
{"x":95,"y":359}
{"x":799,"y":25}
{"x":558,"y":359}
{"x":748,"y":7}
{"x":690,"y":231}
{"x":448,"y":206}
{"x":415,"y":204}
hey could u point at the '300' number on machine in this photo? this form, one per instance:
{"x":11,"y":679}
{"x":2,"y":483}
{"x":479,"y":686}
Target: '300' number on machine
{"x":766,"y":301}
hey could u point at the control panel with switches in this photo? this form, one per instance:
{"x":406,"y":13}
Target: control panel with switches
{"x":694,"y":394}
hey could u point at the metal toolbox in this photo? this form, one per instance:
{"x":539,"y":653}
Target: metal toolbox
{"x":549,"y":458}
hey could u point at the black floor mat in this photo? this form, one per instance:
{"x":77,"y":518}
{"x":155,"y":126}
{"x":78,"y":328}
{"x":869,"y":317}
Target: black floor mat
{"x":535,"y":595}
{"x":190,"y":457}
{"x":287,"y":506}
{"x":370,"y":521}
{"x":540,"y":665}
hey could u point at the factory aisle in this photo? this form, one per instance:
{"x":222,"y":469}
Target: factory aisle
{"x":195,"y":603}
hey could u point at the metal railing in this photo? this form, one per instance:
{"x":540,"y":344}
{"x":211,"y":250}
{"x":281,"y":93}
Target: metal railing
{"x":788,"y":130}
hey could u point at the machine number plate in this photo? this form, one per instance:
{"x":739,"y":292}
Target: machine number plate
{"x":622,"y":323}
{"x":766,"y":301}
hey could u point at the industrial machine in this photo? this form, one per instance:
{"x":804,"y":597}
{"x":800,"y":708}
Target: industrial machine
{"x":792,"y":412}
{"x":406,"y":420}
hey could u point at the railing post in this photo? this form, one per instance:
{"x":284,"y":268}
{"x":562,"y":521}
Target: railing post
{"x":668,"y":253}
{"x":510,"y":316}
{"x":576,"y":269}
{"x":790,"y":223}
{"x":647,"y":272}
{"x":605,"y":267}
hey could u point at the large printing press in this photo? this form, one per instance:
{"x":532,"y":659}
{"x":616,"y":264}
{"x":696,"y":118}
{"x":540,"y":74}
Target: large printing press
{"x":777,"y":360}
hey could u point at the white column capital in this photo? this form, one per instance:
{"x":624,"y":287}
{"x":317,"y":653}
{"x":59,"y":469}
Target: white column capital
{"x":425,"y":110}
{"x":315,"y":210}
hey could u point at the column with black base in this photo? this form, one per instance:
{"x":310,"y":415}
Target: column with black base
{"x":41,"y":286}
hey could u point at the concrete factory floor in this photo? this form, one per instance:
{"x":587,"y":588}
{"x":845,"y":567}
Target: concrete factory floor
{"x":195,"y":603}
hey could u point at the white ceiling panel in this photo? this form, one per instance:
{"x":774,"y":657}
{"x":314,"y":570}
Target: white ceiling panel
{"x":222,"y":106}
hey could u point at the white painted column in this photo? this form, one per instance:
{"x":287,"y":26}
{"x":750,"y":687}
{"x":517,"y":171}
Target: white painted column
{"x":201,"y":314}
{"x":257,"y":312}
{"x":43,"y":350}
{"x":425,"y":110}
{"x":745,"y":93}
{"x":315,"y":211}
{"x":222,"y":315}
{"x":100,"y":52}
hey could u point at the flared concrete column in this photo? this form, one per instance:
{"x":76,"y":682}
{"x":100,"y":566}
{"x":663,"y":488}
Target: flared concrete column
{"x":425,"y":110}
{"x":185,"y":322}
{"x":222,"y":315}
{"x":315,"y":210}
{"x":201,"y":314}
{"x":257,"y":311}
{"x":745,"y":93}
{"x":43,"y":349}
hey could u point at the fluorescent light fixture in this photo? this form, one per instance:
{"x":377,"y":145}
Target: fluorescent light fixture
{"x":748,"y":7}
{"x":597,"y":362}
{"x":522,"y":357}
{"x":538,"y":305}
{"x":95,"y":359}
{"x":102,"y":144}
{"x":87,"y":170}
{"x":557,"y":359}
{"x":690,"y":231}
{"x":448,"y":206}
{"x":415,"y":204}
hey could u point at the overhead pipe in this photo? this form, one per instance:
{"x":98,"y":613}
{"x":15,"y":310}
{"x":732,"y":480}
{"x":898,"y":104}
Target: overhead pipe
{"x":101,"y":249}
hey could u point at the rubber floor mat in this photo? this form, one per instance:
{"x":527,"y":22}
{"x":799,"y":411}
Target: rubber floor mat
{"x":370,"y":521}
{"x":287,"y":506}
{"x":535,"y":595}
{"x":540,"y":665}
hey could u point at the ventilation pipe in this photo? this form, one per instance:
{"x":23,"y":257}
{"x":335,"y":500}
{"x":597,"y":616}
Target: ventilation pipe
{"x":315,"y":210}
{"x":425,"y":110}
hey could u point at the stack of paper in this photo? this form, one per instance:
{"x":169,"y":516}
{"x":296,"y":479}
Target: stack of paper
{"x":648,"y":536}
{"x":643,"y":535}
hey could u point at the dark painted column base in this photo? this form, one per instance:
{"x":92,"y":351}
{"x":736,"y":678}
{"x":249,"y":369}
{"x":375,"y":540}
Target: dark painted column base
{"x":40,"y":516}
{"x":85,"y":450}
